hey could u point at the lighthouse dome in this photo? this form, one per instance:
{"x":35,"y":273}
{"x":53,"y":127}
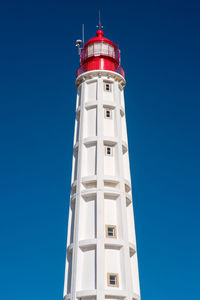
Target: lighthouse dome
{"x":100,"y":53}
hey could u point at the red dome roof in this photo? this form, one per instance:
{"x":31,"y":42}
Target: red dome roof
{"x":99,"y":38}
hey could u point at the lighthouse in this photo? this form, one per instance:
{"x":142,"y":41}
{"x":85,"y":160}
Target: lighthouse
{"x":101,"y":253}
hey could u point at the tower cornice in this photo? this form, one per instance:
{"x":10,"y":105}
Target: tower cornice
{"x":100,"y":73}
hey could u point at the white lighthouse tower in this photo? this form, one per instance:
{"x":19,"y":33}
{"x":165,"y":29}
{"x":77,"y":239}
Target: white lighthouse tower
{"x":101,"y":255}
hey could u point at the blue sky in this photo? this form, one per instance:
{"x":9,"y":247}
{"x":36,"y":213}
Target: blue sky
{"x":160,"y":46}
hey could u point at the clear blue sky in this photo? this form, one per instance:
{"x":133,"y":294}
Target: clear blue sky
{"x":160,"y":46}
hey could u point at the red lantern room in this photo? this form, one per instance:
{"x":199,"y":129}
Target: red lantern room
{"x":99,"y":53}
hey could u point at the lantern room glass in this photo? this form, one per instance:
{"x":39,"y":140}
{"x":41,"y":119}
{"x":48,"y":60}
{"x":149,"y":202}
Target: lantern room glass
{"x":98,"y":49}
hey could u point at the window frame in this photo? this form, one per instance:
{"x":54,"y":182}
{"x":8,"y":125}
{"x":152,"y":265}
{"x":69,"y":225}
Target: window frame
{"x":114,"y":228}
{"x":109,"y":85}
{"x":111,"y":151}
{"x":106,"y":109}
{"x":116,"y":275}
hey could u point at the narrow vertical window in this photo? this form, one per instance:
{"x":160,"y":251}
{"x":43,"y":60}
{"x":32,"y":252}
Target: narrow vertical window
{"x":108,"y":113}
{"x":108,"y":151}
{"x":107,"y":87}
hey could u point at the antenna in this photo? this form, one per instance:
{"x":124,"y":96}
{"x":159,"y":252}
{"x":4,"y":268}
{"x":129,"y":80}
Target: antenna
{"x":99,"y":19}
{"x":99,"y":26}
{"x":83,"y":33}
{"x":80,"y":42}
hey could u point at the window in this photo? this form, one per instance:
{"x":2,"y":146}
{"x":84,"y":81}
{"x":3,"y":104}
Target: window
{"x":113,"y":279}
{"x":108,"y":113}
{"x":108,"y":151}
{"x":111,"y":231}
{"x":107,"y":87}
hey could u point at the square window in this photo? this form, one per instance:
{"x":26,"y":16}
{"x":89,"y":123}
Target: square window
{"x":108,"y":151}
{"x":111,"y":231}
{"x":113,"y":280}
{"x":108,"y":113}
{"x":107,"y":87}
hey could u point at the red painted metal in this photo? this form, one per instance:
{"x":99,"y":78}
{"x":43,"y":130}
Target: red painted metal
{"x":100,"y":38}
{"x":99,"y":53}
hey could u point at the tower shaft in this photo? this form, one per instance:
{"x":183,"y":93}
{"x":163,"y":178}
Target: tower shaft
{"x":101,"y":260}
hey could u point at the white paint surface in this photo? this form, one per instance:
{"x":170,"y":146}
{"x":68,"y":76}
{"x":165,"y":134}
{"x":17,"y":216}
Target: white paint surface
{"x":100,"y":196}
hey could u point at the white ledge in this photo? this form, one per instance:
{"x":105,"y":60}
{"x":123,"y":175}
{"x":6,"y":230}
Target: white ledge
{"x":80,"y":294}
{"x":108,"y":104}
{"x":90,"y":140}
{"x":87,"y":243}
{"x":109,"y":140}
{"x":91,"y":104}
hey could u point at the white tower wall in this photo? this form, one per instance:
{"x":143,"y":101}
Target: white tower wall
{"x":101,"y":196}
